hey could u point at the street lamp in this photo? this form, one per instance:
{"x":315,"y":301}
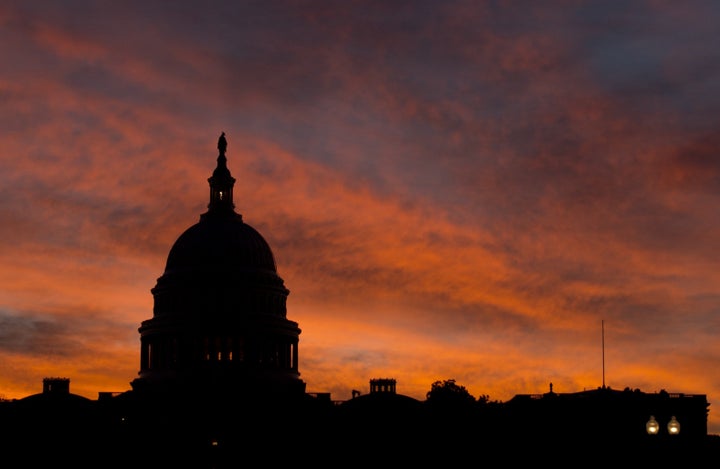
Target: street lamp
{"x":673,"y":426}
{"x":652,"y":426}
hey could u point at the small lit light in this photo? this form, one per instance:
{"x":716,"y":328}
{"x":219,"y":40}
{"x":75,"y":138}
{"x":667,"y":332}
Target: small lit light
{"x":214,"y":442}
{"x":673,"y":426}
{"x":652,"y":426}
{"x":221,"y":194}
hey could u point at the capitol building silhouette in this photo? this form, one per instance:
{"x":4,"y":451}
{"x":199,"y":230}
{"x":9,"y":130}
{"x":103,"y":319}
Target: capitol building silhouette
{"x":219,"y":385}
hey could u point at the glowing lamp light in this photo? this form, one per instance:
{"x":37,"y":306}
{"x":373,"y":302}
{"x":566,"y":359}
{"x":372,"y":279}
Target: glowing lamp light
{"x":652,"y":426}
{"x":673,"y":426}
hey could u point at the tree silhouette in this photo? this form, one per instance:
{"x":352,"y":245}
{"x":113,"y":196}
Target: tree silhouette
{"x":449,"y":394}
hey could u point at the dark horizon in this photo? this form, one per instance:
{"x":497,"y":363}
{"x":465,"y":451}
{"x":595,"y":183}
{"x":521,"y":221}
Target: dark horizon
{"x":378,"y":427}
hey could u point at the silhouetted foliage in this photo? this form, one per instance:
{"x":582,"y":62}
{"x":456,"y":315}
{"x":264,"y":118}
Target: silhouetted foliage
{"x":483,"y":400}
{"x":449,"y":393}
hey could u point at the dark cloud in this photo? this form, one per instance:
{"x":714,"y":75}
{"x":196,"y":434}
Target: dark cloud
{"x":46,"y":335}
{"x":37,"y":335}
{"x":694,"y":166}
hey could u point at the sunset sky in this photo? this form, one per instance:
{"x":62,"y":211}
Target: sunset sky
{"x":457,"y":190}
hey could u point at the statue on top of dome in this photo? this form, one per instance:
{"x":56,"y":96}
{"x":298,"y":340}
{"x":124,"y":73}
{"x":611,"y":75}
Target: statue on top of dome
{"x":222,"y":144}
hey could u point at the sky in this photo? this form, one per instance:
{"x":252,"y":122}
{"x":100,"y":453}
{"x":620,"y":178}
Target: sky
{"x":507,"y":194}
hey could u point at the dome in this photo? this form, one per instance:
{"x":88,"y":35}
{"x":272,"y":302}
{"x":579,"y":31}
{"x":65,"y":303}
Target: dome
{"x":220,"y":244}
{"x":220,"y":267}
{"x":223,"y":268}
{"x":219,"y":325}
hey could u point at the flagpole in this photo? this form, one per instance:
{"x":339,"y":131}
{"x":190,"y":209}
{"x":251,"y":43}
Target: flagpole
{"x":603,"y":353}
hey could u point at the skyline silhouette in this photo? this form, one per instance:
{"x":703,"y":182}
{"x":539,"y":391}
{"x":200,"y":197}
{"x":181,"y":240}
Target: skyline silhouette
{"x":219,"y":381}
{"x":451,"y":190}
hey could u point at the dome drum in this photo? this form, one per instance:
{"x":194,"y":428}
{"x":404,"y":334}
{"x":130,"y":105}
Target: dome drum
{"x":230,"y":297}
{"x":219,"y":349}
